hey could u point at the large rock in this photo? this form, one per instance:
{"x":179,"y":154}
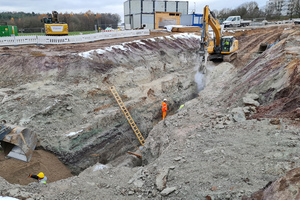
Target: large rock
{"x":168,"y":191}
{"x":252,"y":96}
{"x":248,"y":101}
{"x":238,"y":114}
{"x":284,"y":188}
{"x":161,"y":178}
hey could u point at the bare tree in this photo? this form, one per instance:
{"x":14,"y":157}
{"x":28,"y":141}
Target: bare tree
{"x":224,"y":13}
{"x":241,"y":11}
{"x":247,"y":10}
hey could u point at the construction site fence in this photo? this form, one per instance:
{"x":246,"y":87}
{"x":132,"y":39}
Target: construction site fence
{"x":38,"y":39}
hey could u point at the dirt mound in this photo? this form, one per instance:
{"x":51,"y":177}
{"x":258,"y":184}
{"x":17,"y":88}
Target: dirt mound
{"x":16,"y":172}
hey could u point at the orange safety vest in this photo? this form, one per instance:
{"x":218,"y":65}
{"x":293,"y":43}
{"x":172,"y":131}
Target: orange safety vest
{"x":164,"y":107}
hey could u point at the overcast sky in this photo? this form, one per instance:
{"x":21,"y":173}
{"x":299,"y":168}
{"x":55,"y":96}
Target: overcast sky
{"x":105,"y":6}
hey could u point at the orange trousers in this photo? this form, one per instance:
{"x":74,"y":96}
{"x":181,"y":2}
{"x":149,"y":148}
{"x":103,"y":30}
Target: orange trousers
{"x":164,"y":114}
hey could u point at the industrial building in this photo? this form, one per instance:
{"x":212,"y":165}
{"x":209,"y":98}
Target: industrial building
{"x":282,"y":7}
{"x":153,"y":14}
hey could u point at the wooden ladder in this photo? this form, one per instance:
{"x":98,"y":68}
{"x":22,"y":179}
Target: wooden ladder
{"x":127,"y":115}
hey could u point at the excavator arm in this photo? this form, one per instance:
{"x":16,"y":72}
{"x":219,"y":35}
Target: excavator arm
{"x":206,"y":45}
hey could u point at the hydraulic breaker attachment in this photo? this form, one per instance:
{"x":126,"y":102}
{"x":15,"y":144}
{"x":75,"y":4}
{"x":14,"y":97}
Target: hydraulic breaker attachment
{"x":203,"y":57}
{"x":17,"y":142}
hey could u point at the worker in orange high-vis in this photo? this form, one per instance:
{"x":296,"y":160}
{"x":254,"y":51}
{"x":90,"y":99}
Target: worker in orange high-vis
{"x":164,"y":108}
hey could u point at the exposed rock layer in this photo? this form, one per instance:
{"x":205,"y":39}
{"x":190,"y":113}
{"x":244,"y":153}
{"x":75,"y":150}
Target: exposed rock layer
{"x":206,"y":153}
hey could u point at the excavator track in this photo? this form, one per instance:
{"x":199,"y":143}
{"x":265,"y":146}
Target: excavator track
{"x":230,"y":57}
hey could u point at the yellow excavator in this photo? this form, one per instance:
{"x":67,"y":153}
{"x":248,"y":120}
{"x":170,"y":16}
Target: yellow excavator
{"x":219,"y":48}
{"x":53,"y":26}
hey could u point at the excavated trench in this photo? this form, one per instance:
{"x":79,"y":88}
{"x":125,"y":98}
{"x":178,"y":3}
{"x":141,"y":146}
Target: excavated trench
{"x":172,"y":75}
{"x":66,"y":101}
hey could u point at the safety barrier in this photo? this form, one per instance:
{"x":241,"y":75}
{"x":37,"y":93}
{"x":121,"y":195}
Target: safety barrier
{"x":20,"y":40}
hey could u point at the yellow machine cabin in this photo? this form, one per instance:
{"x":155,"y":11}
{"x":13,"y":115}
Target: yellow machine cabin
{"x":53,"y":26}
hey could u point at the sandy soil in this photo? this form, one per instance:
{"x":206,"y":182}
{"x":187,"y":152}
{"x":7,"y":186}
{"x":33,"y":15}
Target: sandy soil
{"x":15,"y":171}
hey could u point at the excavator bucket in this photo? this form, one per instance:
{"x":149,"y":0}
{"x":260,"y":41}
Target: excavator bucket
{"x":17,"y":142}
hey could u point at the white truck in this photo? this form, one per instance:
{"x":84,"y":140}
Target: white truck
{"x":296,"y":21}
{"x":236,"y":21}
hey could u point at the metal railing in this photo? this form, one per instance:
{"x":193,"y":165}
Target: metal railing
{"x":38,"y":39}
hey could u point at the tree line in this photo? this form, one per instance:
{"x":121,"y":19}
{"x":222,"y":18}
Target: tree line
{"x":31,"y":22}
{"x":250,"y":10}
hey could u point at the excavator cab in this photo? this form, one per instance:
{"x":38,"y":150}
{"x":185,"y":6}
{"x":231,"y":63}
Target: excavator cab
{"x":47,"y":20}
{"x":226,"y":44}
{"x":228,"y":47}
{"x":52,"y":19}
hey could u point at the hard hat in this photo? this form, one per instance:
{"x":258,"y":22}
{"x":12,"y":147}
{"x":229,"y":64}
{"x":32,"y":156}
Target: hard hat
{"x":41,"y":175}
{"x":165,"y":99}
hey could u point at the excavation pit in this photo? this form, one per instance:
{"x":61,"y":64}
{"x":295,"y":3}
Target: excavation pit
{"x":17,"y":172}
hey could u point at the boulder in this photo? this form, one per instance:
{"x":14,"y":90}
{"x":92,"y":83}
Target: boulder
{"x":238,"y":114}
{"x":286,"y":187}
{"x":252,"y":96}
{"x":168,"y":191}
{"x":161,"y":179}
{"x":249,"y":101}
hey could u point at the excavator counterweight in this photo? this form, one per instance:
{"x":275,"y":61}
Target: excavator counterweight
{"x":53,"y":26}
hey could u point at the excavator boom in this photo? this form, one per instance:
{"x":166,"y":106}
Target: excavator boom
{"x":209,"y":19}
